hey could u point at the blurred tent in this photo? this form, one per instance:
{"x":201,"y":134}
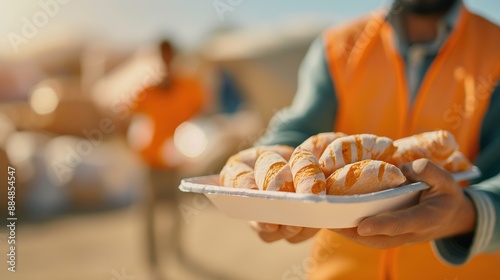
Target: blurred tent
{"x":64,"y":69}
{"x":264,"y":60}
{"x":118,"y":87}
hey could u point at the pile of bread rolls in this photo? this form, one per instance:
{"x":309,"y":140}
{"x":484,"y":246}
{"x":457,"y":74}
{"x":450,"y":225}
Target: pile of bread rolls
{"x":338,"y":164}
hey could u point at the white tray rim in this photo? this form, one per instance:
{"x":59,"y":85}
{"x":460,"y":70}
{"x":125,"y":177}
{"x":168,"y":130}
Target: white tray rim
{"x":190,"y":185}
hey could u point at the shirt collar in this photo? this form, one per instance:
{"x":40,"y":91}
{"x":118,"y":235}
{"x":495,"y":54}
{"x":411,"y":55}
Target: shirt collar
{"x":451,"y":18}
{"x":445,"y":27}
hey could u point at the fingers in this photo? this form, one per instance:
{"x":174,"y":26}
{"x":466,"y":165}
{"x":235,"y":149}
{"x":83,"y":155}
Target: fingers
{"x":289,"y":231}
{"x":272,"y":232}
{"x":377,"y":241}
{"x":424,"y":217}
{"x":267,"y":232}
{"x":424,"y":221}
{"x":426,"y":171}
{"x":283,"y":232}
{"x":264,"y":227}
{"x":303,"y":235}
{"x":421,"y":218}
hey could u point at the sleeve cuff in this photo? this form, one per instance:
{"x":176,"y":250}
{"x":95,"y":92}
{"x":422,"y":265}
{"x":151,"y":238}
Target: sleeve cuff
{"x":455,"y":250}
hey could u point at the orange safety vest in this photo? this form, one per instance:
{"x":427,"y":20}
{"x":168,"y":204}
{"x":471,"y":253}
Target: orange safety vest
{"x":369,"y":78}
{"x":166,"y":110}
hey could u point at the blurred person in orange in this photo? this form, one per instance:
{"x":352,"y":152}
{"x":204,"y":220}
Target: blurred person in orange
{"x":159,"y":109}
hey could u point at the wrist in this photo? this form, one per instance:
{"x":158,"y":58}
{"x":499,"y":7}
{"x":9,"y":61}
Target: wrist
{"x":465,"y":218}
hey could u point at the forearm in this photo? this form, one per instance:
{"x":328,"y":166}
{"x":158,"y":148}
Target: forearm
{"x":486,"y":198}
{"x":485,"y":238}
{"x":484,"y":194}
{"x":314,"y":106}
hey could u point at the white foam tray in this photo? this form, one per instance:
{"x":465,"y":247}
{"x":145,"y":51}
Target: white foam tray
{"x":307,"y":210}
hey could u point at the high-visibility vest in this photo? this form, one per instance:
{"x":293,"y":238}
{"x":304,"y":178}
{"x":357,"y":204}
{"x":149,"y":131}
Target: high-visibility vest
{"x":165,"y":110}
{"x":368,"y":73}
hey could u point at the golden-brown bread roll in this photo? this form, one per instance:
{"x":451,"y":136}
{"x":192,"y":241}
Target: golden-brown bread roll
{"x":350,"y":149}
{"x":457,"y":162}
{"x":272,"y":173}
{"x":238,"y":175}
{"x":249,"y":156}
{"x":238,"y":172}
{"x":363,"y":177}
{"x":306,"y":172}
{"x":317,"y":144}
{"x":436,"y":146}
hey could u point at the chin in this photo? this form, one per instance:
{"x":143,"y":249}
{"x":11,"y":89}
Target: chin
{"x":426,"y":7}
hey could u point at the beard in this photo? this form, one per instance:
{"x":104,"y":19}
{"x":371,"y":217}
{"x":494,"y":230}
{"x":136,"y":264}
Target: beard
{"x":425,"y":7}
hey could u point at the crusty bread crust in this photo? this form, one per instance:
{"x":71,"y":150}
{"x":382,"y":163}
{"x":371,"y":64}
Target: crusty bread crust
{"x":350,"y":149}
{"x":238,"y":175}
{"x":272,"y":173}
{"x":317,"y":144}
{"x":249,"y":156}
{"x":307,"y":174}
{"x":457,"y":162}
{"x":347,"y":165}
{"x":363,"y":177}
{"x":435,"y":145}
{"x":238,"y":172}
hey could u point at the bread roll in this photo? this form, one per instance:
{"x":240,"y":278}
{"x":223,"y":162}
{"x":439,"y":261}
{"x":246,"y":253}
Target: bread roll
{"x":306,"y":172}
{"x":435,"y":145}
{"x":350,"y":149}
{"x":249,"y":156}
{"x":317,"y":144}
{"x":457,"y":162}
{"x":363,"y":177}
{"x":239,"y":169}
{"x":238,"y":175}
{"x":272,"y":173}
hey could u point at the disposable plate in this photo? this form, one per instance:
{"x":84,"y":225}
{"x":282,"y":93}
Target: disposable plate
{"x":307,"y":210}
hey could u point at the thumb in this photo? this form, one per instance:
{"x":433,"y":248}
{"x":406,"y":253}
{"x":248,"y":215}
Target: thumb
{"x":424,"y":170}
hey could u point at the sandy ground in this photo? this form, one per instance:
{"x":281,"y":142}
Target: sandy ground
{"x":111,"y":246}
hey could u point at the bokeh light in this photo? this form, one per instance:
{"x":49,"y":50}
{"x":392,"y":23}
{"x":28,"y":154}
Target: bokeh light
{"x":44,"y":100}
{"x":190,"y":140}
{"x":140,"y":132}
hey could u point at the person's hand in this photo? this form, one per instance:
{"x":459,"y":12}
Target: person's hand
{"x":443,"y":211}
{"x":272,"y":232}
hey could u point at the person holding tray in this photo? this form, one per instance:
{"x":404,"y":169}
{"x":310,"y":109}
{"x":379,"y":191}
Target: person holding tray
{"x":421,"y":66}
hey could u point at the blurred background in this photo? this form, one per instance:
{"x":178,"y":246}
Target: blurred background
{"x":99,"y":150}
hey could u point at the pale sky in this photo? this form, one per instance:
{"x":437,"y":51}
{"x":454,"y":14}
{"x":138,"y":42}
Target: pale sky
{"x":133,"y":22}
